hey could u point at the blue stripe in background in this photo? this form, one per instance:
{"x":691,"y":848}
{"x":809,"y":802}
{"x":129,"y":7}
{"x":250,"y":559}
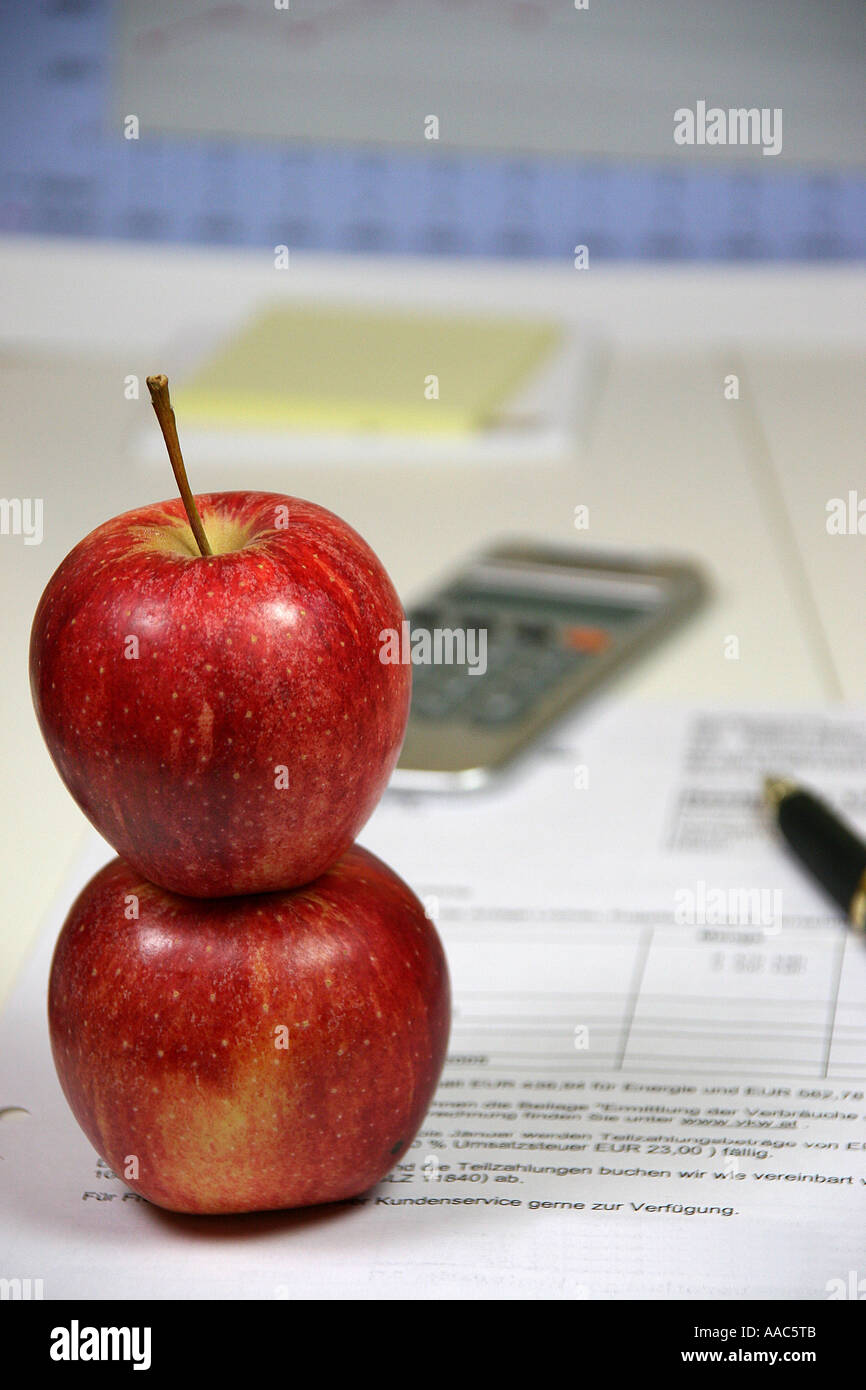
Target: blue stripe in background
{"x":63,"y":173}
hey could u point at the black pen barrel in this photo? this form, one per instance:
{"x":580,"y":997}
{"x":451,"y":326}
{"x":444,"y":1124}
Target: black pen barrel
{"x":833,"y":853}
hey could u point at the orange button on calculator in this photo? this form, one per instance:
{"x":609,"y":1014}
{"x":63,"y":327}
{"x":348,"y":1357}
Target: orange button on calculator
{"x":586,"y":639}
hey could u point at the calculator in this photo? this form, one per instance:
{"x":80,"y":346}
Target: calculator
{"x":556,"y":624}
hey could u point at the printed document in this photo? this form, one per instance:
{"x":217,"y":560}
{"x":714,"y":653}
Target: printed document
{"x":656,"y":1082}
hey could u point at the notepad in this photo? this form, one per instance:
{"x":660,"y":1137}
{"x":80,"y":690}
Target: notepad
{"x":355,"y":370}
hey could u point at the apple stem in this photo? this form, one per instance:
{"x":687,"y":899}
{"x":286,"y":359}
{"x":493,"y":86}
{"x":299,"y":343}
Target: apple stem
{"x":158,"y":388}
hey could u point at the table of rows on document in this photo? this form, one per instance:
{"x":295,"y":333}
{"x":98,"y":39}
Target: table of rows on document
{"x":653,"y":996}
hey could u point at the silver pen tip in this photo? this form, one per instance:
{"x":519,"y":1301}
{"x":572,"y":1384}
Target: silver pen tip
{"x":776,"y":789}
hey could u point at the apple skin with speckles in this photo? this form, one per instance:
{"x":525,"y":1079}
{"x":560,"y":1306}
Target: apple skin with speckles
{"x":224,"y":721}
{"x":251,"y":1053}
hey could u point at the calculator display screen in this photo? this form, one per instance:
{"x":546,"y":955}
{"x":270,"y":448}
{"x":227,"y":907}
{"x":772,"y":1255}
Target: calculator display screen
{"x":562,"y":608}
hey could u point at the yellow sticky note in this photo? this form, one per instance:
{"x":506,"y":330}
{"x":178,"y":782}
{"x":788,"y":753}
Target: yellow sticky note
{"x":350,"y":370}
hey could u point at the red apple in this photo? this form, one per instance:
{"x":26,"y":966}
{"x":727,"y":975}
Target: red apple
{"x":253,"y":1053}
{"x":224,"y":720}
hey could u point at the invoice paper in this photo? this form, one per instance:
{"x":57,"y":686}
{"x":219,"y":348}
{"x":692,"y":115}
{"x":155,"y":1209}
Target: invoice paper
{"x":656,"y":1084}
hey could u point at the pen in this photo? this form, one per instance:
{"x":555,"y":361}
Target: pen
{"x":828,"y":848}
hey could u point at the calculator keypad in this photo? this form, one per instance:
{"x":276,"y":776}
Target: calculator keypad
{"x":526,"y":657}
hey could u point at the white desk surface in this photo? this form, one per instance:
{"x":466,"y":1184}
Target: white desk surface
{"x":665,"y":462}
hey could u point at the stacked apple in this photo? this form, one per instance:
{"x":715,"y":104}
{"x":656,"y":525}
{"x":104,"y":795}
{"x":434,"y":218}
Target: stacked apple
{"x":247,"y":1011}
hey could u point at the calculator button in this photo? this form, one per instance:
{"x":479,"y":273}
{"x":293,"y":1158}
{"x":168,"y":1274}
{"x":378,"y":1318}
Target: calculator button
{"x":502,"y":698}
{"x":499,"y":654}
{"x":498,"y":706}
{"x":547,"y":667}
{"x":586,"y":639}
{"x":437,"y":672}
{"x":425,"y":618}
{"x":534,"y":633}
{"x":423,"y":672}
{"x":479,"y":622}
{"x":434,"y":701}
{"x":441,"y":677}
{"x":519,"y":675}
{"x":433,"y":693}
